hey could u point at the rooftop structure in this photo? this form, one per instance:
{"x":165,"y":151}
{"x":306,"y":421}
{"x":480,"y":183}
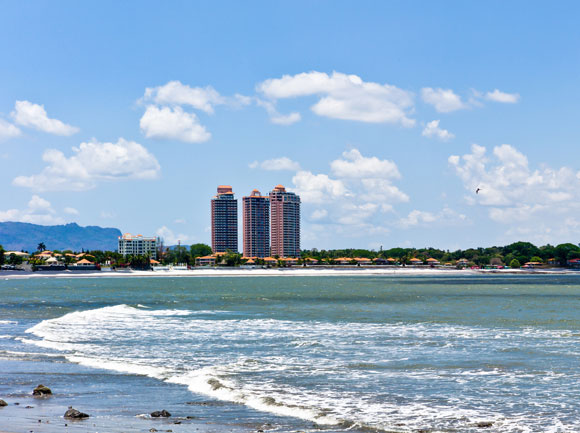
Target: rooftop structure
{"x":224,"y":221}
{"x":284,"y":222}
{"x":256,"y":214}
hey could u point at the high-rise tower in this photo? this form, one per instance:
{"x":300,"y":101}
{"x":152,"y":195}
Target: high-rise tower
{"x":256,"y":211}
{"x":284,"y":222}
{"x":224,"y":221}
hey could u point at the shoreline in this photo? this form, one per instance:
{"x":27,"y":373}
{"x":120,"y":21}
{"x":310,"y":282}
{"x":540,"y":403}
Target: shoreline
{"x":283,"y":272}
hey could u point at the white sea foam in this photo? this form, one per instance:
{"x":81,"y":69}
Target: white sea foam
{"x":325,"y":372}
{"x":8,"y":322}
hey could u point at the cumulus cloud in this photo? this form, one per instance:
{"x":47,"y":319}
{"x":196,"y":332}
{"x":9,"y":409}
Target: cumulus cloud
{"x":169,"y":237}
{"x":317,"y":188}
{"x":71,"y":211}
{"x":354,"y":165}
{"x":34,"y":116}
{"x":165,"y":117}
{"x":318,"y":214}
{"x":343,"y":96}
{"x":176,"y":93}
{"x":499,"y":96}
{"x":38,"y":211}
{"x":275,"y":116}
{"x":90,"y":163}
{"x":516,"y":194}
{"x":353,"y":199}
{"x":172,"y":124}
{"x":276,"y":164}
{"x":432,"y":129}
{"x":446,"y":216}
{"x":8,"y":130}
{"x":444,"y":100}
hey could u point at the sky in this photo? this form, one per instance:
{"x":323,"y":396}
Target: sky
{"x":385,"y":117}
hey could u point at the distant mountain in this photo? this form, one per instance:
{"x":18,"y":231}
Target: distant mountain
{"x":24,"y":236}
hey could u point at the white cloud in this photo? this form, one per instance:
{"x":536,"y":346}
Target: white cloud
{"x":276,"y":164}
{"x":90,"y":163}
{"x":176,"y":93}
{"x":432,"y":130}
{"x":353,"y":200}
{"x":515,"y":194}
{"x":506,"y":98}
{"x":170,"y":238}
{"x":444,"y":100}
{"x":422,"y":218}
{"x":343,"y":96}
{"x":275,"y":116}
{"x":71,"y":211}
{"x":38,"y":211}
{"x":319,"y":214}
{"x":34,"y":116}
{"x":354,"y":165}
{"x":8,"y":130}
{"x":286,"y":119}
{"x":172,"y":124}
{"x":317,"y":188}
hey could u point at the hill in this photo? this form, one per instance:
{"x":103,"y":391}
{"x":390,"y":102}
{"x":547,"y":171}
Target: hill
{"x":24,"y":236}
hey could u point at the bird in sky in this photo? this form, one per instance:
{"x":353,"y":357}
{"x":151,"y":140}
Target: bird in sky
{"x":477,"y":190}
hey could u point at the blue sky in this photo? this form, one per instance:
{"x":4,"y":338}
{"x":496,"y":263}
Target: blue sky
{"x":384,"y":116}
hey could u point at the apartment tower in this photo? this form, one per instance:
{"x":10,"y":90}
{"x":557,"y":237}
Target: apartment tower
{"x":224,"y":221}
{"x":256,"y":212}
{"x":284,"y":222}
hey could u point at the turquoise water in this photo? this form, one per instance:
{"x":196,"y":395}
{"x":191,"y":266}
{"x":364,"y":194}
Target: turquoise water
{"x":342,"y":353}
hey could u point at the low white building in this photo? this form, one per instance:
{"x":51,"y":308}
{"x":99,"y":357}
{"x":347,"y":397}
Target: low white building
{"x":130,"y":245}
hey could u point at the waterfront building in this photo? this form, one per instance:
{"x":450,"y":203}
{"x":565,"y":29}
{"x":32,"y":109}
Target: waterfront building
{"x":284,"y":223}
{"x":139,"y":245}
{"x":224,"y":221}
{"x":256,"y":215}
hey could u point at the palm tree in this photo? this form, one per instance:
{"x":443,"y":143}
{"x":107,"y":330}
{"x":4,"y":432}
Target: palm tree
{"x":41,"y":247}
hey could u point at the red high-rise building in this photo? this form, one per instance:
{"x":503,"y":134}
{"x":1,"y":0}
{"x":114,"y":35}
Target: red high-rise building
{"x":284,"y":223}
{"x":224,"y":221}
{"x":256,"y":212}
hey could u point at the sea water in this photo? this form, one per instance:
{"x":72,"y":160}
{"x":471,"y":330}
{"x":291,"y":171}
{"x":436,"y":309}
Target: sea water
{"x":396,"y":354}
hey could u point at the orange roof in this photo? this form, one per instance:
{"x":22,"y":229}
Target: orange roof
{"x":431,"y":259}
{"x":390,"y":259}
{"x":414,"y":259}
{"x":250,"y":261}
{"x":84,"y":262}
{"x":153,"y":262}
{"x":270,"y":259}
{"x":206,"y":257}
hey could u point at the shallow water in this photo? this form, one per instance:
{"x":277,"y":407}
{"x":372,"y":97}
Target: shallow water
{"x":346,"y":353}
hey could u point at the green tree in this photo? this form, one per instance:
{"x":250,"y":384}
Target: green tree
{"x":41,"y":247}
{"x":199,"y":250}
{"x":536,"y":259}
{"x":515,"y":264}
{"x":2,"y":255}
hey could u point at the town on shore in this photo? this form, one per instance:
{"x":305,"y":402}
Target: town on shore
{"x":271,"y":239}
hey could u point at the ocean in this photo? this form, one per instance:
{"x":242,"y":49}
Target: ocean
{"x":494,"y":353}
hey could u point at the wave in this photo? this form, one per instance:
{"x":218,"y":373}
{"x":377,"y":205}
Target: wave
{"x":327,"y":373}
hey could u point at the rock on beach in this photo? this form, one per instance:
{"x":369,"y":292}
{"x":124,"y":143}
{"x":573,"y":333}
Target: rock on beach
{"x":75,"y":414}
{"x":160,"y":413}
{"x":3,"y":403}
{"x":41,"y":390}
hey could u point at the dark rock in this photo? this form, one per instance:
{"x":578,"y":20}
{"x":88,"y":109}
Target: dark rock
{"x":484,"y":424}
{"x":75,"y":414}
{"x":177,"y":422}
{"x":16,"y":404}
{"x":160,"y":413}
{"x":29,"y":407}
{"x":41,"y":390}
{"x":3,"y":403}
{"x":152,"y":430}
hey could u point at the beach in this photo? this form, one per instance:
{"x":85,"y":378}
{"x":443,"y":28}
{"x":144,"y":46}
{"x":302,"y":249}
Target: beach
{"x":425,"y":351}
{"x":321,"y":271}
